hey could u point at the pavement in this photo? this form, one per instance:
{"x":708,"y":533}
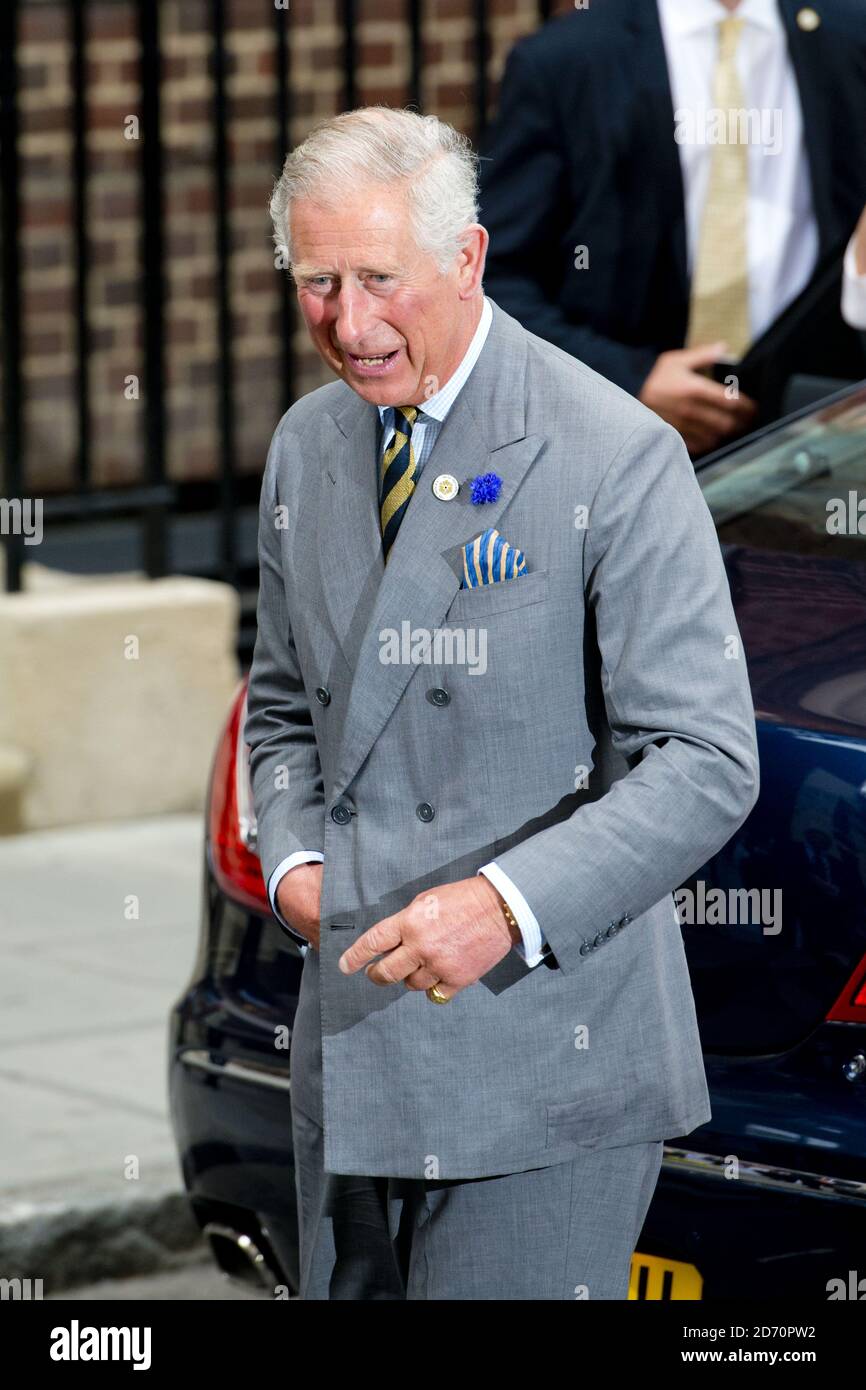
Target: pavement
{"x":198,"y":1282}
{"x":98,"y":933}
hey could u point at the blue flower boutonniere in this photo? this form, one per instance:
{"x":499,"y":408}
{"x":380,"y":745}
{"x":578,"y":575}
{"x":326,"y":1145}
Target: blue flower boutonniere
{"x":485,"y":488}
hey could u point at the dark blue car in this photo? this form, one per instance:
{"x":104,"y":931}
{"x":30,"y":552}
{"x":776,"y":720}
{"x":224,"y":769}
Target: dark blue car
{"x":768,"y":1200}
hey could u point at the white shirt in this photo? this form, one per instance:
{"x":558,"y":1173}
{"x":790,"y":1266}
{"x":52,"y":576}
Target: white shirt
{"x":424,"y":433}
{"x":781,"y":233}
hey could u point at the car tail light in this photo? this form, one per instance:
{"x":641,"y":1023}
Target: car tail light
{"x":850,"y":1007}
{"x":232,"y":819}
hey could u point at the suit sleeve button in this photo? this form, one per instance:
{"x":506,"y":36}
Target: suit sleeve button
{"x":585,"y":949}
{"x":424,"y":811}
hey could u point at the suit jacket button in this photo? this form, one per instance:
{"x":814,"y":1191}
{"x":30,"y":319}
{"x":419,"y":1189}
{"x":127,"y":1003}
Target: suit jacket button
{"x":437,"y":696}
{"x":340,"y":814}
{"x":424,"y":811}
{"x":323,"y":695}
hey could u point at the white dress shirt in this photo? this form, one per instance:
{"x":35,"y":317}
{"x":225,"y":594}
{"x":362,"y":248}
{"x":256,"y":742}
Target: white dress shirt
{"x":781,"y":233}
{"x":424,"y":434}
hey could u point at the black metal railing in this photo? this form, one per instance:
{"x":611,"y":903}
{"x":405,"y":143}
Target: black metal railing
{"x":10,"y":278}
{"x":156,"y":499}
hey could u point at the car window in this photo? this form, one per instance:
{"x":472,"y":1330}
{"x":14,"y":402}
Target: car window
{"x":801,"y":488}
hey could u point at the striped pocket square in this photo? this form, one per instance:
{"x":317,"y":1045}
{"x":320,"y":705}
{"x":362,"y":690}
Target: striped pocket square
{"x":488,"y":559}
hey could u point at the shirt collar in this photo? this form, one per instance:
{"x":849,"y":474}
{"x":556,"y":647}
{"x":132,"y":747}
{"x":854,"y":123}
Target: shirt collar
{"x":438,"y":406}
{"x":684,"y":17}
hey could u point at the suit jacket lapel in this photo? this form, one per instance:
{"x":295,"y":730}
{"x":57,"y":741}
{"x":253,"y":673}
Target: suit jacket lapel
{"x":348,"y":539}
{"x":811,"y":64}
{"x":484,"y":430}
{"x":653,"y":98}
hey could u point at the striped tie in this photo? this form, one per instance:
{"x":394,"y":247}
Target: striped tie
{"x":398,"y":476}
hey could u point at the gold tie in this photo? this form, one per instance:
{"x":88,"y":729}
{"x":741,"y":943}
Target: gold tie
{"x":719,"y":306}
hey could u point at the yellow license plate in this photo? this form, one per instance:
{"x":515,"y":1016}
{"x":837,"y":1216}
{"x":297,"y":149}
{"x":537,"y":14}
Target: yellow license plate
{"x":655,"y":1278}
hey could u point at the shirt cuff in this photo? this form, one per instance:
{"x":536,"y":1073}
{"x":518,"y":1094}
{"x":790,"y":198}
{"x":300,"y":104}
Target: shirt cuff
{"x":533,"y":939}
{"x":853,"y":291}
{"x":301,"y":856}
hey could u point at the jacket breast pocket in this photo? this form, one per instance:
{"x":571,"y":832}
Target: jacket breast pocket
{"x":500,"y":597}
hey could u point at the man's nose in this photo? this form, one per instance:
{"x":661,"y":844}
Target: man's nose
{"x":354,"y":319}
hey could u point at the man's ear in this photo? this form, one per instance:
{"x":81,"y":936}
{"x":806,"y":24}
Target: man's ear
{"x":473,"y":254}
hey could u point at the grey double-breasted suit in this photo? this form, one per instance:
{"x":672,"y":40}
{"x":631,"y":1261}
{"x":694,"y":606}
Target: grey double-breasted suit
{"x":605,"y":751}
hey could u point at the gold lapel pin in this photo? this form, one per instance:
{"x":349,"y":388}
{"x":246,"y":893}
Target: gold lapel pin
{"x":445,"y":487}
{"x":808,"y":20}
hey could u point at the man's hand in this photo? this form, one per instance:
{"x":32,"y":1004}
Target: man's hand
{"x":705,"y":415}
{"x":860,"y":245}
{"x":448,"y":936}
{"x":299,"y":896}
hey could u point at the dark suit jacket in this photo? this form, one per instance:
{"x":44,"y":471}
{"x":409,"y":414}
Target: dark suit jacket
{"x":583,"y":153}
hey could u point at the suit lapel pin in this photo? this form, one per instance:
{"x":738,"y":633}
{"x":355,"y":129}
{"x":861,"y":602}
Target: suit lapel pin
{"x":445,"y":487}
{"x":808,"y":20}
{"x":485,"y":488}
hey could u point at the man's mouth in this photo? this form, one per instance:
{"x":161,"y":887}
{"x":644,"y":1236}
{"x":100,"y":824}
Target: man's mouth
{"x":372,"y":364}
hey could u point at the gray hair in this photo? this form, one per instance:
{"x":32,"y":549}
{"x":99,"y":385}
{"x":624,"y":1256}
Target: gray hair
{"x":381,"y":144}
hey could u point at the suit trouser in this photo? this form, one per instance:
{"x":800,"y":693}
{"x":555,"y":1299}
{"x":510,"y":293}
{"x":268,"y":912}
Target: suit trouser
{"x":566,"y":1231}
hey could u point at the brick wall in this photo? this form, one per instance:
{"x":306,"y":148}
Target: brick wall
{"x":113,"y":211}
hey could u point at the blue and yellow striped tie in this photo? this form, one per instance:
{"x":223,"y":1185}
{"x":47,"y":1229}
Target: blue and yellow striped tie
{"x":398,"y":475}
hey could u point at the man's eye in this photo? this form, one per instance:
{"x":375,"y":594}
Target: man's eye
{"x":380,"y":277}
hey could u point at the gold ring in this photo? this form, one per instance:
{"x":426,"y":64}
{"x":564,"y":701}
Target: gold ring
{"x":435,"y":995}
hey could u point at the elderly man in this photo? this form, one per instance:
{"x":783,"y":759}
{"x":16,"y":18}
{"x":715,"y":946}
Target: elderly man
{"x":498,"y":711}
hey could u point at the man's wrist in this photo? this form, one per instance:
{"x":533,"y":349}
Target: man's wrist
{"x":514,"y":929}
{"x":530,"y":947}
{"x":510,"y":920}
{"x":287,"y":865}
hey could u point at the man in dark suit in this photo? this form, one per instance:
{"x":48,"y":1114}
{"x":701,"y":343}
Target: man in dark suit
{"x":629,"y":230}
